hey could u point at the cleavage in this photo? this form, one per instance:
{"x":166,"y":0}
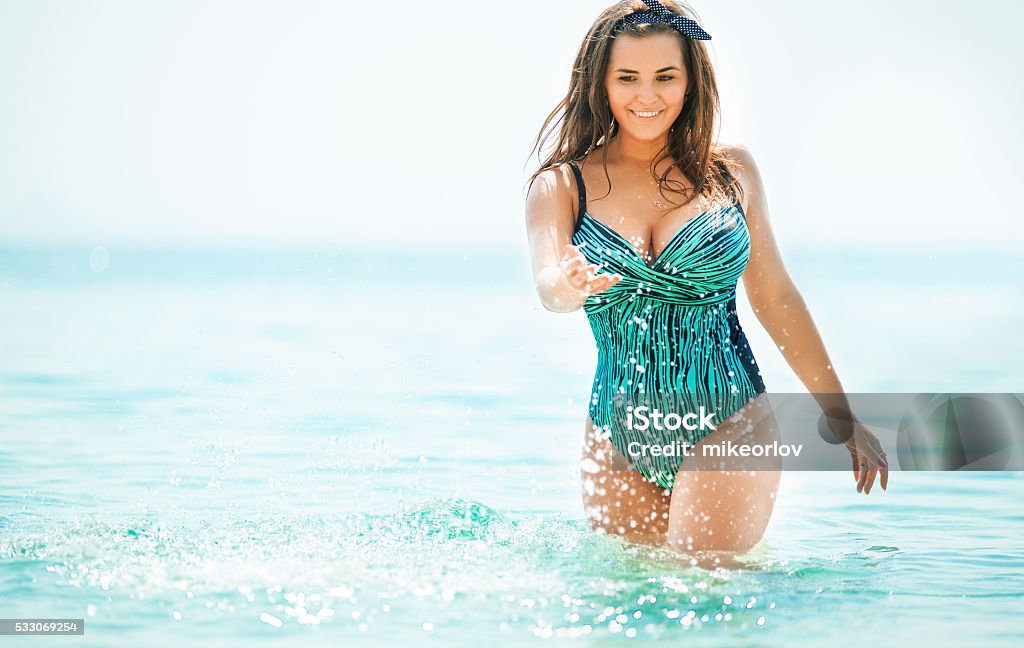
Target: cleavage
{"x":647,"y":255}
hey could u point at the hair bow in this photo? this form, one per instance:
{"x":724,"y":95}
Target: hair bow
{"x":658,"y":13}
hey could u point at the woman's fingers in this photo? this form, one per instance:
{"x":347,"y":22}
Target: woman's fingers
{"x":876,"y":464}
{"x":866,"y":472}
{"x":603,"y":282}
{"x":572,"y":252}
{"x":575,"y":270}
{"x":573,"y":262}
{"x":583,"y":276}
{"x":872,"y":473}
{"x":574,"y":265}
{"x":868,"y":460}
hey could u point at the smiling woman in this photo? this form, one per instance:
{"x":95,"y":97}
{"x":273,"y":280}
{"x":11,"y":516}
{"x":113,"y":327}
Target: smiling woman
{"x":654,"y":257}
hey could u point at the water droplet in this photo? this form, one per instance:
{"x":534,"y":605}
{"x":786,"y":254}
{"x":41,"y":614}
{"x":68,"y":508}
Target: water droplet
{"x":99,"y":259}
{"x":271,"y":620}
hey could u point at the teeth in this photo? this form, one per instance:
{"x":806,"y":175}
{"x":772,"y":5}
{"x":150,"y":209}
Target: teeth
{"x":645,"y":114}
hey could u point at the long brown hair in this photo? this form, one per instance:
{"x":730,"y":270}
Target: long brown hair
{"x":583,"y":120}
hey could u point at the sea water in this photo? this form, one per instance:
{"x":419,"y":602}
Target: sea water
{"x":351,"y":447}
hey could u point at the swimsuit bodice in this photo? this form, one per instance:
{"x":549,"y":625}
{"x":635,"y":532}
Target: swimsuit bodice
{"x":670,"y":326}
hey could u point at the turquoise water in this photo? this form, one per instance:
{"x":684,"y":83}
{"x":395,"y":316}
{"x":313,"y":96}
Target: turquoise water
{"x":352,"y":448}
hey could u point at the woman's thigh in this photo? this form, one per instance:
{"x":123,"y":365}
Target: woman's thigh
{"x":726,"y":510}
{"x":617,"y":499}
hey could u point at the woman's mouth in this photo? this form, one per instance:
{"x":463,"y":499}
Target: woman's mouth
{"x":646,"y":114}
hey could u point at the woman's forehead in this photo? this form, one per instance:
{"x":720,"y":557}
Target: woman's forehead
{"x":647,"y":53}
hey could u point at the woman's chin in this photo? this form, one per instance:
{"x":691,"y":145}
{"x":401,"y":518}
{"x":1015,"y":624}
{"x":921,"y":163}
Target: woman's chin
{"x":645,"y":134}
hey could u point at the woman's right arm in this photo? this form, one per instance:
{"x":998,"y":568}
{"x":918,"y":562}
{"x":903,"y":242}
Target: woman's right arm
{"x":561,"y":273}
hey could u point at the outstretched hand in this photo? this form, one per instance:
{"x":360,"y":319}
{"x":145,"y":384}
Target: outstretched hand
{"x":584,"y":276}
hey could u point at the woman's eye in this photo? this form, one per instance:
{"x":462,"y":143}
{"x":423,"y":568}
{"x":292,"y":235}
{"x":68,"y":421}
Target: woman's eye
{"x":663,"y":77}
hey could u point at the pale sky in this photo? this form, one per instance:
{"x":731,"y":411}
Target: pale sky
{"x":249,"y":123}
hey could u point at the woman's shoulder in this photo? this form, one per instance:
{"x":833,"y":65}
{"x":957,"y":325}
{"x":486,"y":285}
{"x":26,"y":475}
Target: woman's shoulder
{"x":553,"y":185}
{"x":740,"y":163}
{"x":555,"y":179}
{"x":736,"y":154}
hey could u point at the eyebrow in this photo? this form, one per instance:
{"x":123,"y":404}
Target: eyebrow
{"x":664,"y":69}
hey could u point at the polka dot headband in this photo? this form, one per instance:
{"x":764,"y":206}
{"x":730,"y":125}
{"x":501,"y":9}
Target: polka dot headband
{"x":658,"y":13}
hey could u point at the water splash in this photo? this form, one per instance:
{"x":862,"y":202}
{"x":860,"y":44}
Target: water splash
{"x":441,"y":562}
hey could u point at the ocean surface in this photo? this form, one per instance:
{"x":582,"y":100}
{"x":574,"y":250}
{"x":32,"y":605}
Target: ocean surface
{"x":360,"y":447}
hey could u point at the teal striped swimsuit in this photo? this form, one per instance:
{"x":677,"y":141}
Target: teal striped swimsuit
{"x":668,"y":328}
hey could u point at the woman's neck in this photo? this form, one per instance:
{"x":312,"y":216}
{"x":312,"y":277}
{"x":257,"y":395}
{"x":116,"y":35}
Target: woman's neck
{"x":636,"y":153}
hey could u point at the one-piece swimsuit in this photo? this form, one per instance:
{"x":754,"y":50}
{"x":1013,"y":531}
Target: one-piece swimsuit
{"x":668,"y":328}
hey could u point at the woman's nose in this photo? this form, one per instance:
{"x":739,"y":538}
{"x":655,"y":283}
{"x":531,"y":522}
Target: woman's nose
{"x":647,"y":93}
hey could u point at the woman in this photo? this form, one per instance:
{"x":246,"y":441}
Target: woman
{"x":640,"y":218}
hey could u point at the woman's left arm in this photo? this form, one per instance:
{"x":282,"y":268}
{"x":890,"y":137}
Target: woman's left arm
{"x":772,"y":294}
{"x":781,"y":310}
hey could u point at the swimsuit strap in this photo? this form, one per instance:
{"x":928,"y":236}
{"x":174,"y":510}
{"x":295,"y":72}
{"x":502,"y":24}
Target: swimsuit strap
{"x":582,"y":190}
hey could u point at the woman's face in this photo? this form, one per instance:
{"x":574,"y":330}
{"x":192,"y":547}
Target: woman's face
{"x":646,"y":75}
